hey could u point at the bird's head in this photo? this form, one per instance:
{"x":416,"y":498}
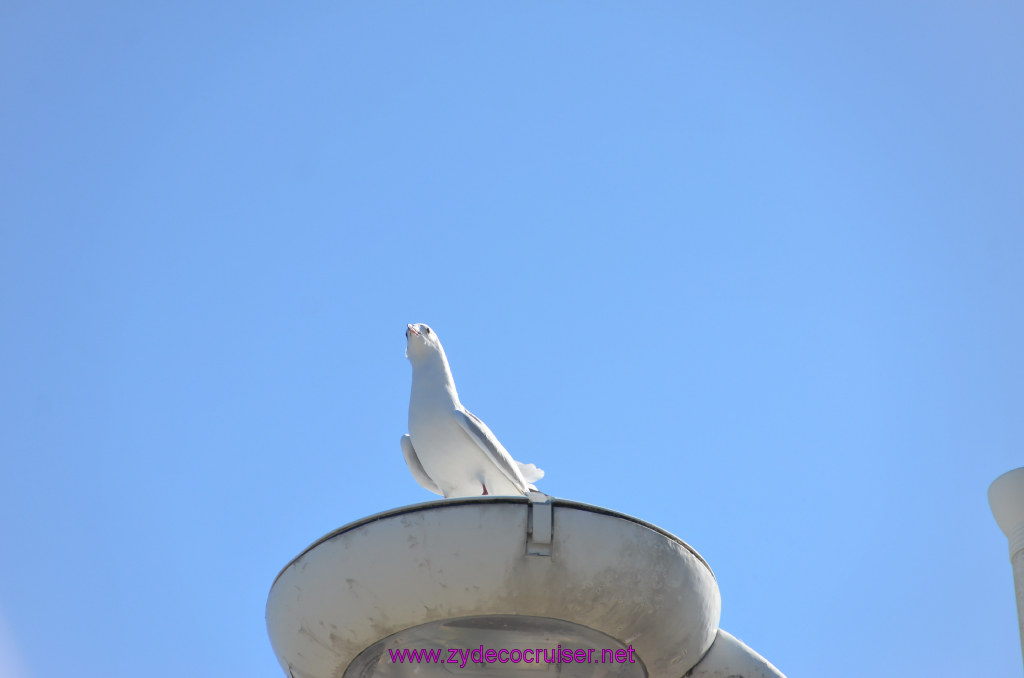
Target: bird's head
{"x":421,"y":342}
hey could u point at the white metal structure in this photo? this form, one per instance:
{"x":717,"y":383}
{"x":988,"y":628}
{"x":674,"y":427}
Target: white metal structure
{"x":1006,"y":497}
{"x":537,"y":576}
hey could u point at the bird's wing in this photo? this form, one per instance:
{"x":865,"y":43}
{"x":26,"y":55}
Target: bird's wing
{"x":488,"y":442}
{"x":416,"y":467}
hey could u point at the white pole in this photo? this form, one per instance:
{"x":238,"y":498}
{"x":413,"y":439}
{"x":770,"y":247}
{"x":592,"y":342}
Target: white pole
{"x":1006,"y":497}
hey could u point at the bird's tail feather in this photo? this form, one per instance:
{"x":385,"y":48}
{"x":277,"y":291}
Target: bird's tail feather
{"x":531,"y":473}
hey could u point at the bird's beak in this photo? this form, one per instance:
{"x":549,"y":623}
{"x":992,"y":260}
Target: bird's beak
{"x":413,"y":329}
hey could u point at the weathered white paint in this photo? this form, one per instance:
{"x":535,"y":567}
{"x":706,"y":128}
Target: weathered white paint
{"x":606,"y":573}
{"x":1006,"y":497}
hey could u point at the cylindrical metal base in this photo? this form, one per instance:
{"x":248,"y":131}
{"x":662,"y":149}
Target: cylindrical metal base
{"x":1006,"y":498}
{"x":1017,"y":561}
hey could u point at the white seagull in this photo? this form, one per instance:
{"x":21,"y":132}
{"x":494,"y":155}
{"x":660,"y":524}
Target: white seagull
{"x":448,"y":449}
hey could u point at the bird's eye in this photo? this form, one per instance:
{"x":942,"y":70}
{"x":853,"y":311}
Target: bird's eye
{"x":427,"y":330}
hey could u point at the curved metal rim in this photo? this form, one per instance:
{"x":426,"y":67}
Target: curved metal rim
{"x":414,"y":508}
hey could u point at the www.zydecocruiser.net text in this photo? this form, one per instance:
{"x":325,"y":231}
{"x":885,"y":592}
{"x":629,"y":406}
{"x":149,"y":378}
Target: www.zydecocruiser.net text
{"x":530,"y":655}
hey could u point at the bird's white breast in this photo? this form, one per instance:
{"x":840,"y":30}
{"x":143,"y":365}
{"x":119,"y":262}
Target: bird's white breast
{"x":449,"y":456}
{"x":447,"y":453}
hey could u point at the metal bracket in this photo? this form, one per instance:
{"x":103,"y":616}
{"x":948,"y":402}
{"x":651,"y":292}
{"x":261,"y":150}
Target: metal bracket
{"x":539,"y":525}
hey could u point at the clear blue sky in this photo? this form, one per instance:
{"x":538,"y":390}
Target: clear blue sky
{"x":749,"y":271}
